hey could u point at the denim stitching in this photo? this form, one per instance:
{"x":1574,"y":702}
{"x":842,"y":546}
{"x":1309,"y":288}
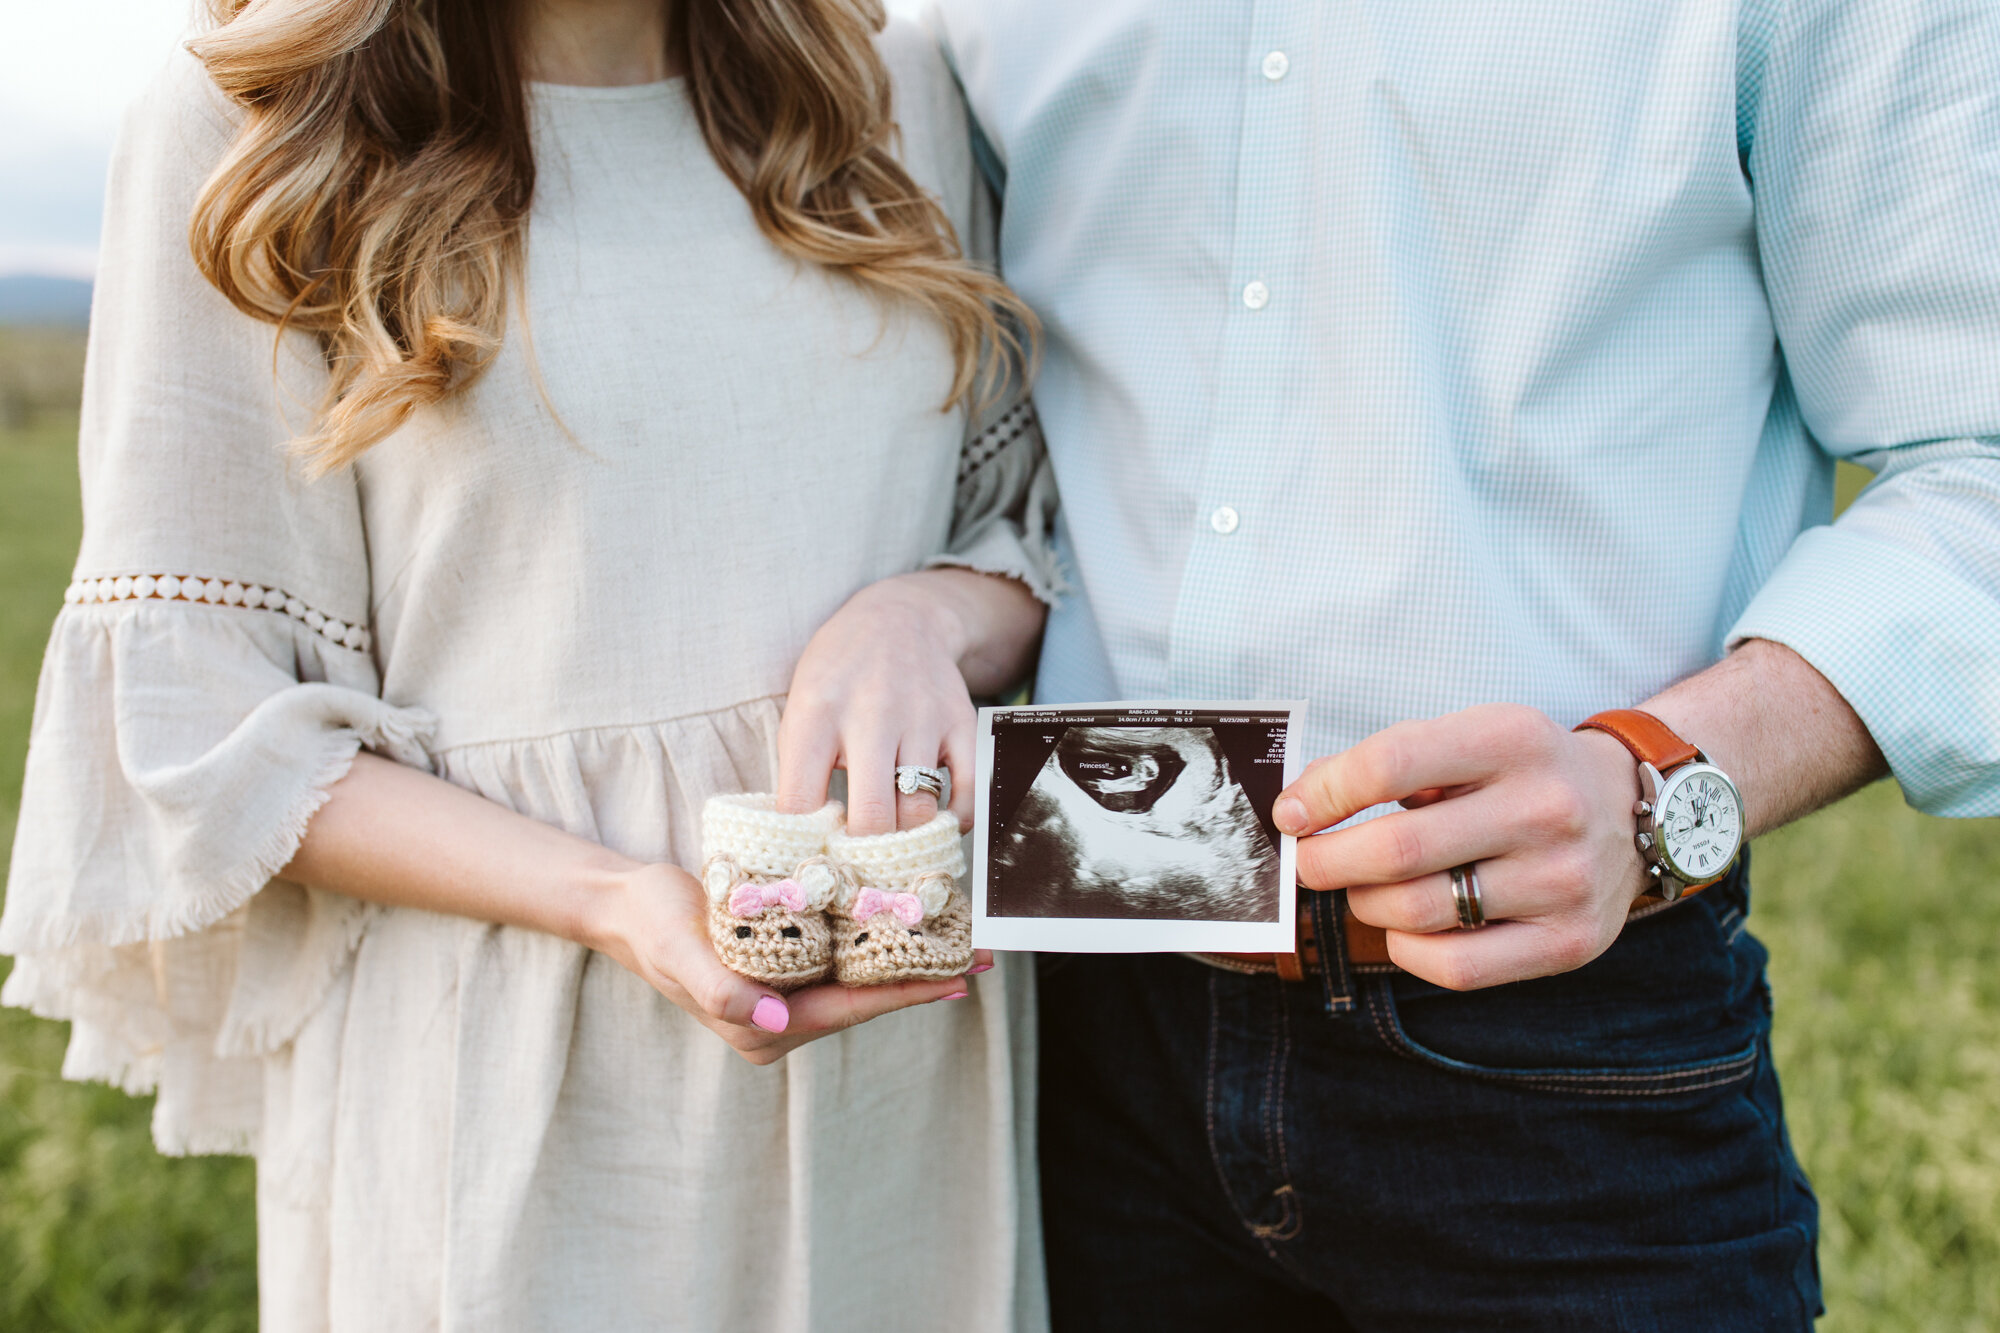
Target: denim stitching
{"x":1732,"y":1062}
{"x":1284,"y":1067}
{"x":1607,"y":1076}
{"x":1286,"y":1228}
{"x":1733,"y":1069}
{"x":1329,"y":915}
{"x":1274,"y":1135}
{"x":1208,"y":1095}
{"x":1214,"y":1154}
{"x":1664,"y":1090}
{"x":1270,"y":1086}
{"x":1294,"y":1219}
{"x":1375,"y":1012}
{"x":1784,"y":1164}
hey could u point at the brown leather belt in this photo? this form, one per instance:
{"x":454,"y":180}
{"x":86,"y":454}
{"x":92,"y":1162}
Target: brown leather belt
{"x":1369,"y":945}
{"x":1365,"y":944}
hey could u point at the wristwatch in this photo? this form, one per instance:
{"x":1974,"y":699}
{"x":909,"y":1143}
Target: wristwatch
{"x":1691,"y":816}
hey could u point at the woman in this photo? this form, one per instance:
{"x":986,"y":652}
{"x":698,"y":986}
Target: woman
{"x":611,"y":341}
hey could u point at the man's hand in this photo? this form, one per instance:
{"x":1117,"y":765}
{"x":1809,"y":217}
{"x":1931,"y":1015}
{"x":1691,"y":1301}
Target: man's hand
{"x":1546,"y":813}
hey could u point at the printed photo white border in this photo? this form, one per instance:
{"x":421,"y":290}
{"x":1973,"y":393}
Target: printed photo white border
{"x":1122,"y":935}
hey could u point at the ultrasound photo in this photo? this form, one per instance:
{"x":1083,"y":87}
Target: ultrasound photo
{"x":1130,"y":827}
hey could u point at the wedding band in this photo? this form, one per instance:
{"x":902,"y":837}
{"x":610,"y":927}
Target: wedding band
{"x":1465,"y":897}
{"x":913,"y":778}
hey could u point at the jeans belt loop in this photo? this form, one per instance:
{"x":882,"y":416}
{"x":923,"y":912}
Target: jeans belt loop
{"x":1336,"y":969}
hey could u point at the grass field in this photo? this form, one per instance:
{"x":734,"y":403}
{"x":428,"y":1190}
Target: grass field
{"x":97,"y":1232}
{"x":1884,"y":928}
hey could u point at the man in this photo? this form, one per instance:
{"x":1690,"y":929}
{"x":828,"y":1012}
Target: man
{"x":1470,"y":370}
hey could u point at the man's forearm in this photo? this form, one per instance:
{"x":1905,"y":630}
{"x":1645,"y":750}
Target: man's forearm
{"x":1777,"y":727}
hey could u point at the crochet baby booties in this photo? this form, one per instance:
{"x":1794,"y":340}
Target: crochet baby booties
{"x":768,"y":882}
{"x":897,"y":912}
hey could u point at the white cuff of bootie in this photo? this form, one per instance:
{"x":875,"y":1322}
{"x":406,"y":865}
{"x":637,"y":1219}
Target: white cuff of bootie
{"x":748,"y":830}
{"x":896,"y":862}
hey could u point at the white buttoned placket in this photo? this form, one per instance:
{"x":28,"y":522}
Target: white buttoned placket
{"x":1246,"y":446}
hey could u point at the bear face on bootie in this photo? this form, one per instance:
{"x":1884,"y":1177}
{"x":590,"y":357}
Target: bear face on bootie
{"x":897,"y":911}
{"x":768,"y":882}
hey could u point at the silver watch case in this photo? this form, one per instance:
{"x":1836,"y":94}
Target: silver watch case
{"x":1667,"y":878}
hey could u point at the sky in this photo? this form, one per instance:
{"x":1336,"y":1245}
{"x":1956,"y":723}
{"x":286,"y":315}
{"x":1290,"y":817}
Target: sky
{"x":68,"y":70}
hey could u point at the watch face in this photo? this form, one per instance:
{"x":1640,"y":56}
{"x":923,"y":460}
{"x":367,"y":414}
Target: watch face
{"x":1701,"y":823}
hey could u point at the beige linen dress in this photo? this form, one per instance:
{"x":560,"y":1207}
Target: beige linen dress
{"x":592,"y":621}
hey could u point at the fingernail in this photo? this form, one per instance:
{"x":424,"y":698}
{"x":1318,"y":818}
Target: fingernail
{"x":771,"y":1014}
{"x":1290,"y":814}
{"x":975,"y":971}
{"x":955,"y":995}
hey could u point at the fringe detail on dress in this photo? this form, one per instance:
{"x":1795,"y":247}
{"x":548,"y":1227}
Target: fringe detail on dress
{"x":61,"y":968}
{"x":1041,"y":572}
{"x":398,"y":733}
{"x":136,"y":1073}
{"x":207,"y":1143}
{"x":273,"y":1031}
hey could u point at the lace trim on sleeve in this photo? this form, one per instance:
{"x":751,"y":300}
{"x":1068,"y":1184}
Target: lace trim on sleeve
{"x":990,"y":443}
{"x":217,"y":592}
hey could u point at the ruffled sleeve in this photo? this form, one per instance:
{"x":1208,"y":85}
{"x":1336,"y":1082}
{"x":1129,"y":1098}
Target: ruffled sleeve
{"x":211,"y":673}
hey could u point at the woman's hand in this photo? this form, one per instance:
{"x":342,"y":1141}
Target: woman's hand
{"x":390,"y":834}
{"x":652,"y":921}
{"x":889,"y":680}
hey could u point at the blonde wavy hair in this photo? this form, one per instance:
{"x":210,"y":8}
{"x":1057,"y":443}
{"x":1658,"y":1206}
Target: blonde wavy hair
{"x":377,"y":193}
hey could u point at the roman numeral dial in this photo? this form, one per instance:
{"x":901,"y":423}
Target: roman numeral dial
{"x":1701,"y":824}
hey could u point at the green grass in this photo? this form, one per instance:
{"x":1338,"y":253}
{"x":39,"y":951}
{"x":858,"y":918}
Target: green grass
{"x":97,"y":1231}
{"x":1884,"y":929}
{"x":39,"y":372}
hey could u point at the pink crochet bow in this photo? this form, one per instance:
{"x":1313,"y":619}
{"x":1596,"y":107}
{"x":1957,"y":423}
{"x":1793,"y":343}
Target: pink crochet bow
{"x":753,"y":899}
{"x":909,"y":909}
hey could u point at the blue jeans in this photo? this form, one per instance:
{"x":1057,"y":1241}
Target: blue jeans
{"x":1599,"y":1150}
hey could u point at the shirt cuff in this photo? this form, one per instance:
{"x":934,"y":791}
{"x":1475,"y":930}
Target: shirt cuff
{"x":1911,"y":646}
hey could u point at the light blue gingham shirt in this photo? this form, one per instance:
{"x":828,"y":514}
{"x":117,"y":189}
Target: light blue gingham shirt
{"x":1408,"y":354}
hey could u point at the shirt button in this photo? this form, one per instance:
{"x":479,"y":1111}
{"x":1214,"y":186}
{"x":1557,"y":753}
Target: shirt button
{"x":1275,"y":66}
{"x":1224,"y":520}
{"x":1256,"y":295}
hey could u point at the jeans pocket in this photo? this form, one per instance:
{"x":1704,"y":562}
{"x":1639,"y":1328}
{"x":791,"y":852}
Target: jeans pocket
{"x":1653,"y":1080}
{"x":1674,"y":1007}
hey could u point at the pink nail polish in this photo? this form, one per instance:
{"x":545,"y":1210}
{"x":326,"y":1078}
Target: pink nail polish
{"x":771,"y":1014}
{"x":955,"y":995}
{"x":975,"y":971}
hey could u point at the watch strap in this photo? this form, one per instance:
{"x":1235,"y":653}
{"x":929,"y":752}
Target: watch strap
{"x":1650,"y":740}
